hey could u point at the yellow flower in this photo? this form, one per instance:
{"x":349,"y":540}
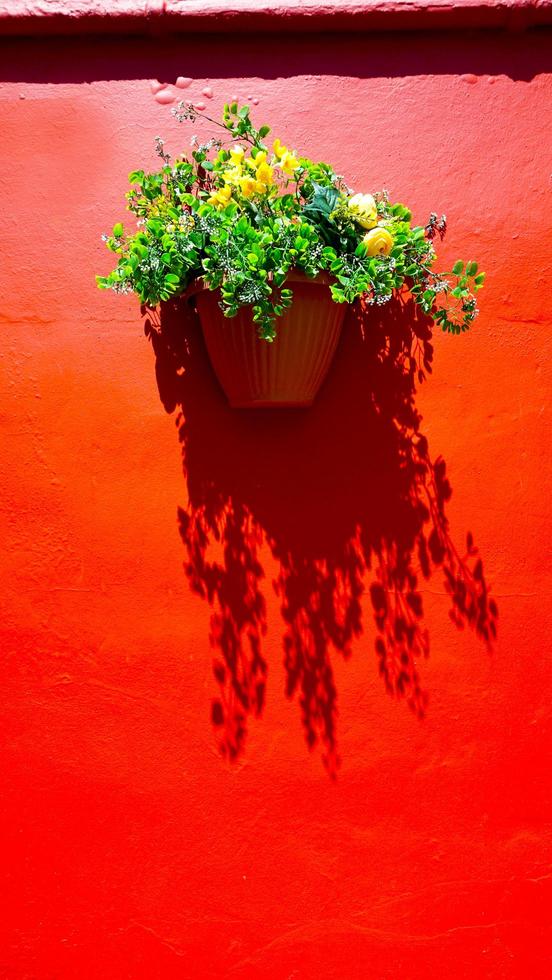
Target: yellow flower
{"x":248,"y":186}
{"x":231,"y":176}
{"x":259,"y":159}
{"x":364,"y":210}
{"x":289,"y":163}
{"x":220,"y":197}
{"x":378,"y":241}
{"x":285,"y":158}
{"x":265,"y":173}
{"x":279,"y":150}
{"x":237,"y":154}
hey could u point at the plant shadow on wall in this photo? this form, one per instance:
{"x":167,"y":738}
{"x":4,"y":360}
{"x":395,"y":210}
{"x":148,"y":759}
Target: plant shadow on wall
{"x":347,"y":498}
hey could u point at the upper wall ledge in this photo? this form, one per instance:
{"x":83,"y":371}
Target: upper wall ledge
{"x":32,"y":17}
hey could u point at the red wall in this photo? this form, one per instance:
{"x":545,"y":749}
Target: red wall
{"x":132,"y":848}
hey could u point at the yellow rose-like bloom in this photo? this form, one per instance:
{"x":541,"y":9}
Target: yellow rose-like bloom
{"x":378,"y":241}
{"x":237,"y":154}
{"x":265,"y":174}
{"x":289,"y":163}
{"x":364,"y":210}
{"x":221,"y":197}
{"x":279,"y":150}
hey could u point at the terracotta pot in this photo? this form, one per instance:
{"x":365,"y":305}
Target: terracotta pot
{"x":287,"y":372}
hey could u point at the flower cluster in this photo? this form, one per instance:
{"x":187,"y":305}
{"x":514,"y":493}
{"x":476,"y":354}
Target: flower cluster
{"x":241,"y":214}
{"x":251,"y":176}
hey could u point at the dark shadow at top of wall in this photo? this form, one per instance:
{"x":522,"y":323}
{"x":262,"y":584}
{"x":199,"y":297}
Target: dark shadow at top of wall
{"x":519,"y":56}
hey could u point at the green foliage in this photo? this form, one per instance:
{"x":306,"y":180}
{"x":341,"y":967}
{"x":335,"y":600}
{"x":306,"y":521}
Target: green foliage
{"x":242,"y":215}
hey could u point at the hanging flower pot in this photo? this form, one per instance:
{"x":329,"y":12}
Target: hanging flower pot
{"x":285,"y":373}
{"x":273,"y":246}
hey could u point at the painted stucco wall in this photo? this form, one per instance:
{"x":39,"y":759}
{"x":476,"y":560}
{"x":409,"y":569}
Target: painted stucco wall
{"x":131,"y":847}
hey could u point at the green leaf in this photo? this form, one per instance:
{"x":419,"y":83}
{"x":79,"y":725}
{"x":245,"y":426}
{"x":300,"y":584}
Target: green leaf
{"x":322,"y":202}
{"x":471,"y":268}
{"x":480,"y":279}
{"x":457,"y":268}
{"x":264,"y":131}
{"x":170,"y":277}
{"x":117,"y":230}
{"x":155,"y":226}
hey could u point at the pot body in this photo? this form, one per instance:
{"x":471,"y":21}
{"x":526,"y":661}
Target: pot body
{"x":287,"y":372}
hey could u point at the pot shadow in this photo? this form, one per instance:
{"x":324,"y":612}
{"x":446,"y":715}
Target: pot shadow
{"x":345,"y":495}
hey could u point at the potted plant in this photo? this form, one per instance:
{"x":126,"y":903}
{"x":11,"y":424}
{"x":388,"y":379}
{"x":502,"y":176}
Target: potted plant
{"x":271,"y":246}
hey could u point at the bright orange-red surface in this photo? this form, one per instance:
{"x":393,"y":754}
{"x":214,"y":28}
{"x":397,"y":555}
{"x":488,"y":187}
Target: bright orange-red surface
{"x":131,"y":847}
